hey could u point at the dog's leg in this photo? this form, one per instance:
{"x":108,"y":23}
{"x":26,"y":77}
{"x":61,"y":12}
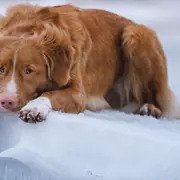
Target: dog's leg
{"x":68,"y":100}
{"x":149,"y":110}
{"x":146,"y":76}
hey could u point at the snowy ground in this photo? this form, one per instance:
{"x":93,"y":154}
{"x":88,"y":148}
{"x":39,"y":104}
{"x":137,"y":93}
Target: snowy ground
{"x":107,"y":145}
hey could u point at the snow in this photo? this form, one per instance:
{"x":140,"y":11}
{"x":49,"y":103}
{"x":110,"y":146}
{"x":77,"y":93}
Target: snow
{"x":106,"y":145}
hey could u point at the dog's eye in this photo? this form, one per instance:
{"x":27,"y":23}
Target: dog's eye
{"x":1,"y":69}
{"x":28,"y":71}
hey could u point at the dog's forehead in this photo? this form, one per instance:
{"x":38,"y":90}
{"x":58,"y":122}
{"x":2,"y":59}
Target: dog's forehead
{"x":28,"y":54}
{"x":6,"y":55}
{"x":24,"y":51}
{"x":8,"y":46}
{"x":8,"y":40}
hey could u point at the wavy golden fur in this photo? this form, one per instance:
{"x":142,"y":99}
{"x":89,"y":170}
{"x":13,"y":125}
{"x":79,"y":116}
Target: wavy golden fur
{"x":94,"y":59}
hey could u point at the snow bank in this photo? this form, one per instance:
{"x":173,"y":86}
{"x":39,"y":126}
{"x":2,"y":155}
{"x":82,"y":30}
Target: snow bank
{"x":105,"y":145}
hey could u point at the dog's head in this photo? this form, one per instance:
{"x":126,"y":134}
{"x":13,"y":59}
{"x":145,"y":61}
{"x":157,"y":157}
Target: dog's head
{"x":32,"y":65}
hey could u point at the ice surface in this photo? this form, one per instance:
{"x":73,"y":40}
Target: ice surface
{"x":106,"y":145}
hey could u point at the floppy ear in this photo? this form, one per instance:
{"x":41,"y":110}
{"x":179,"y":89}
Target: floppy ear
{"x":58,"y":62}
{"x":57,"y":51}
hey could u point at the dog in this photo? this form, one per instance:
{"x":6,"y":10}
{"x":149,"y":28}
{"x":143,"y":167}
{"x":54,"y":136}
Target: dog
{"x":68,"y":59}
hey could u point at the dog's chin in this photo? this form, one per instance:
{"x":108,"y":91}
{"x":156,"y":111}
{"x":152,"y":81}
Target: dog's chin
{"x":15,"y":110}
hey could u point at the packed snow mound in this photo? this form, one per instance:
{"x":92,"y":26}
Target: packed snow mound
{"x":105,"y":145}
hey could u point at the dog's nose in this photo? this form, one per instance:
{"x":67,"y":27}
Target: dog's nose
{"x":8,"y":102}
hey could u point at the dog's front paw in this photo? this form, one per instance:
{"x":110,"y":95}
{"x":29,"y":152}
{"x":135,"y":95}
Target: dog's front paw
{"x":150,"y":110}
{"x":36,"y":110}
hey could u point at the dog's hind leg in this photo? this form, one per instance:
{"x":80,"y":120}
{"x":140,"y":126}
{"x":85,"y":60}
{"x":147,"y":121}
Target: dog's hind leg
{"x":145,"y":79}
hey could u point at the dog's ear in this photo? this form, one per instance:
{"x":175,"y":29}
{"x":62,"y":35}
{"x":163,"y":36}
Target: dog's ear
{"x":58,"y":62}
{"x":58,"y":53}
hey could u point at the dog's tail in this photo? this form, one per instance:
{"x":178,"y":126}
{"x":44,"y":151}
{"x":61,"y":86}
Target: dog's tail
{"x":145,"y":77}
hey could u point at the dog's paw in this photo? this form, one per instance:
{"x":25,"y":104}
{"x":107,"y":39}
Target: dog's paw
{"x":150,"y":110}
{"x":36,"y":110}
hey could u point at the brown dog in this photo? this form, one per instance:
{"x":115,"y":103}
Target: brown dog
{"x":68,"y":59}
